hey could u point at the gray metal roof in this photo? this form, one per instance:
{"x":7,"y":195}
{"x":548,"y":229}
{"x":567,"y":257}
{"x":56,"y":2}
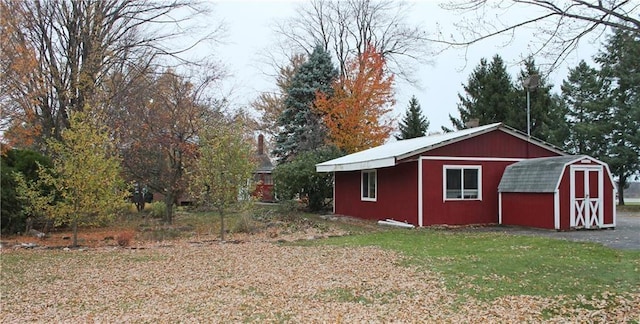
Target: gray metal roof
{"x":535,"y":175}
{"x":388,"y":154}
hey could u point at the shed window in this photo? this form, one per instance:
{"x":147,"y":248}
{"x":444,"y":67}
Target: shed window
{"x":462,"y":182}
{"x":369,"y":185}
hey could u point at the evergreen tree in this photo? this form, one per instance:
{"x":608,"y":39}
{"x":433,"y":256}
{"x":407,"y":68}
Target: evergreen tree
{"x":489,"y":95}
{"x":414,"y":124}
{"x":547,"y":113}
{"x":621,"y":75}
{"x":588,"y":114}
{"x":301,"y":127}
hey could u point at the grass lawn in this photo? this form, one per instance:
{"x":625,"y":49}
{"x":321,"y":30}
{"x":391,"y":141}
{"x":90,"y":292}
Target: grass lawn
{"x":491,"y":265}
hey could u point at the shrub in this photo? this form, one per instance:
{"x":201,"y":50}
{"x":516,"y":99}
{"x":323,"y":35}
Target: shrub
{"x":244,"y":224}
{"x":288,"y":210}
{"x":298,"y":177}
{"x":124,"y":239}
{"x":158,"y":209}
{"x":25,"y":162}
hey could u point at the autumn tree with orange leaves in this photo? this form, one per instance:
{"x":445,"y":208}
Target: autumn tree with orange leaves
{"x":355,"y":114}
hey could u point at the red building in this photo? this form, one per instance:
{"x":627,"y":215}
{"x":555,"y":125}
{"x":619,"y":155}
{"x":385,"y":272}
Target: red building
{"x":449,"y":178}
{"x":577,"y":190}
{"x":262,"y":175}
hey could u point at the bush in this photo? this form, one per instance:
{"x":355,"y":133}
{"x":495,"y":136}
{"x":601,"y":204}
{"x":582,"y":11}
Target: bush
{"x":124,"y":239}
{"x":13,"y":219}
{"x":298,"y":178}
{"x":158,"y":209}
{"x":288,"y":210}
{"x":244,"y":224}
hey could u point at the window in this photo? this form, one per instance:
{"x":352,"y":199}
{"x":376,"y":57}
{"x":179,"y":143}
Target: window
{"x":369,"y":185}
{"x":462,"y":182}
{"x":267,"y":179}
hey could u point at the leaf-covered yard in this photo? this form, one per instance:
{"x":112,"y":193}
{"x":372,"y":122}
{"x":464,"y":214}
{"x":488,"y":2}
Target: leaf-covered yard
{"x":256,"y":278}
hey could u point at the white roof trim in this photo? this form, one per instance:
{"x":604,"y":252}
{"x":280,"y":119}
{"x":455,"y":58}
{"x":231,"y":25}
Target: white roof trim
{"x":354,"y":166}
{"x":388,"y":154}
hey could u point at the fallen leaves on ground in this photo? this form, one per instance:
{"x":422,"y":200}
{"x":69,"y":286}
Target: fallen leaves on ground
{"x":253,"y":281}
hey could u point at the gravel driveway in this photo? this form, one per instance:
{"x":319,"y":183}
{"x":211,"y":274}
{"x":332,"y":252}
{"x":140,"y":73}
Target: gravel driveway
{"x":626,"y":235}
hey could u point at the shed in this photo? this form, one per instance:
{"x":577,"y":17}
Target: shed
{"x":449,"y":178}
{"x":562,"y":193}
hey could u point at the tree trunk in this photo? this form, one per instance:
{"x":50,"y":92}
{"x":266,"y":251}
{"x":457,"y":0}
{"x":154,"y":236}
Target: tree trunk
{"x":168,"y":203}
{"x":221,"y":212}
{"x":622,"y":182}
{"x":74,"y":226}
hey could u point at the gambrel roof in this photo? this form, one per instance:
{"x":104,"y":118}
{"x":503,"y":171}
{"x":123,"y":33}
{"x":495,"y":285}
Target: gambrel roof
{"x":389,"y":154}
{"x":536,"y":175}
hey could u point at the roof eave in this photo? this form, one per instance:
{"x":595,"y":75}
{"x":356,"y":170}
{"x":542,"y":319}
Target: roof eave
{"x":355,"y":166}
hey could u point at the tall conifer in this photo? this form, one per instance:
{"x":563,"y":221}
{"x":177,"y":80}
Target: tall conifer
{"x":301,"y":125}
{"x":489,"y":95}
{"x":414,"y":124}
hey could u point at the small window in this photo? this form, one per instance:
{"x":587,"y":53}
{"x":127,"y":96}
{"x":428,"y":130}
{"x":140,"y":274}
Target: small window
{"x":462,"y":182}
{"x":369,"y":185}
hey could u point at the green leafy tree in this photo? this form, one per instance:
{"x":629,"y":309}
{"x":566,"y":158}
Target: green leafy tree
{"x":414,"y":124}
{"x":301,"y":127}
{"x":299,"y":178}
{"x":86,"y":178}
{"x":547,"y":113}
{"x":489,"y":95}
{"x":223,"y":168}
{"x":588,"y":112}
{"x":24,"y":162}
{"x":620,"y":69}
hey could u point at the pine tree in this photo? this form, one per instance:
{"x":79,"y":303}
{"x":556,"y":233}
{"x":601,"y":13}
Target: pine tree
{"x":489,"y":95}
{"x":588,"y":114}
{"x":547,"y":114}
{"x":414,"y":124}
{"x":621,"y":74}
{"x":300,"y":123}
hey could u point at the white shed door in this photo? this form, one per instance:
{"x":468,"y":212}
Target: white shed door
{"x":586,"y":196}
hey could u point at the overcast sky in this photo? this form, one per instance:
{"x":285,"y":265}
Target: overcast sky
{"x":249,"y":33}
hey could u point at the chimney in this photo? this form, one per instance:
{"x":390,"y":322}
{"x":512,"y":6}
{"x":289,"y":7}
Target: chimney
{"x":260,"y":144}
{"x":473,"y":122}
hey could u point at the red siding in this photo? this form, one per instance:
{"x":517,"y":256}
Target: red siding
{"x":544,"y":211}
{"x":528,"y":209}
{"x":438,"y":211}
{"x":493,"y":144}
{"x":565,"y":200}
{"x":609,"y":198}
{"x":397,"y":195}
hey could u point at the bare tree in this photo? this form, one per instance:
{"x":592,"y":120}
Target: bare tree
{"x":560,"y":24}
{"x":271,"y":104}
{"x":345,"y":28}
{"x":73,"y":45}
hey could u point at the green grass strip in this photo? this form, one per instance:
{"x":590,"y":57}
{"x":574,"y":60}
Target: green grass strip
{"x":490,"y":265}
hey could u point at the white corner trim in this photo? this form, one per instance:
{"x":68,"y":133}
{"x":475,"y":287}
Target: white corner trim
{"x":334,"y":192}
{"x":556,"y":209}
{"x":420,"y":202}
{"x":615,"y":215}
{"x":500,"y":208}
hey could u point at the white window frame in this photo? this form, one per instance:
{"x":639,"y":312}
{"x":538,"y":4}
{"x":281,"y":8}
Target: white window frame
{"x":366,"y":173}
{"x":462,"y":168}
